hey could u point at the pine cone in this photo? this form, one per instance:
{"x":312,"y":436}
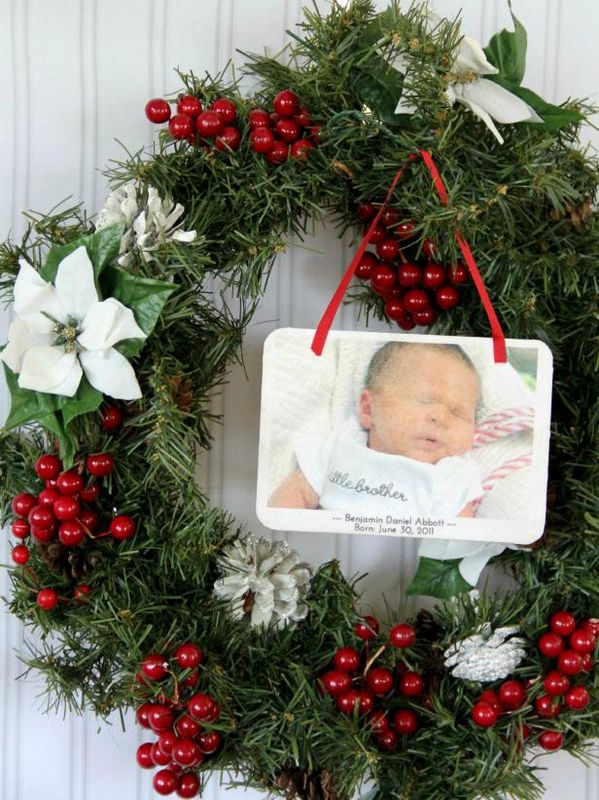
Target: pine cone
{"x":73,"y":563}
{"x":301,"y":785}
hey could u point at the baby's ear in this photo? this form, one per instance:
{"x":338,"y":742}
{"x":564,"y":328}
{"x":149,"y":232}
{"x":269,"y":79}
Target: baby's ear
{"x":365,"y":409}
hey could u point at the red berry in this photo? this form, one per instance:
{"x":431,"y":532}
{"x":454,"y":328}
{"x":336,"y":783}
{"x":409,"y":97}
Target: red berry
{"x":159,"y":757}
{"x":493,"y":699}
{"x":378,"y":720}
{"x":402,"y":635}
{"x":41,"y":517}
{"x":336,"y":682}
{"x":99,"y":464}
{"x":286,"y":103}
{"x":347,"y":702}
{"x":23,"y":503}
{"x":165,"y":781}
{"x":547,"y":706}
{"x":347,"y":659}
{"x":367,"y":628}
{"x":389,"y":249}
{"x":158,"y":110}
{"x":166,"y":741}
{"x":562,"y":623}
{"x":394,"y":309}
{"x":380,"y":681}
{"x":69,"y":482}
{"x":186,"y":753}
{"x":582,"y":641}
{"x":378,"y":234}
{"x":301,"y":149}
{"x":141,"y":715}
{"x":406,"y":323}
{"x":409,"y":274}
{"x":189,"y":655}
{"x":303,"y":117}
{"x":279,"y":152}
{"x":411,"y":684}
{"x":71,"y":533}
{"x":186,"y":726}
{"x":228,"y":138}
{"x":404,"y":230}
{"x":188,"y":785}
{"x":112,"y":418}
{"x":160,"y":718}
{"x":587,"y":662}
{"x":428,"y":249}
{"x":262,"y":140}
{"x":577,"y":698}
{"x":416,"y":300}
{"x":366,"y":210}
{"x":390,"y":217}
{"x":43,"y":534}
{"x":447,"y":297}
{"x":225,"y":108}
{"x":20,"y":554}
{"x":512,"y":695}
{"x":47,"y":497}
{"x":387,"y":740}
{"x":433,"y":276}
{"x":366,"y":701}
{"x":181,"y":126}
{"x":551,"y":645}
{"x":382,"y":279}
{"x":65,"y":507}
{"x":208,"y":124}
{"x":190,"y":105}
{"x":259,"y":118}
{"x":89,"y":520}
{"x":458,"y":273}
{"x":82,"y":592}
{"x":192,"y":679}
{"x":366,"y":264}
{"x":203,"y":707}
{"x":48,"y":467}
{"x":569,"y":662}
{"x":288,"y":130}
{"x":122,"y":527}
{"x":405,"y":722}
{"x":314,"y":131}
{"x":555,"y":683}
{"x":47,"y":599}
{"x":425,"y":317}
{"x":551,"y":740}
{"x":591,"y":626}
{"x":155,"y":667}
{"x":20,"y":528}
{"x":209,"y":742}
{"x":89,"y":494}
{"x":483,"y":715}
{"x":144,"y":756}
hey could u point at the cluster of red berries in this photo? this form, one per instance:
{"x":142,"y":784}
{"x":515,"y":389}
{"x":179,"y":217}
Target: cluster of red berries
{"x":378,"y":693}
{"x":184,"y":741}
{"x":571,"y":661}
{"x":286,"y":131}
{"x":210,"y":126}
{"x":414,"y":288}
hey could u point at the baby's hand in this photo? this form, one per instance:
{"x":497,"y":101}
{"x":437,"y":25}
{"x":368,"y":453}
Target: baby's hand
{"x":294,"y":492}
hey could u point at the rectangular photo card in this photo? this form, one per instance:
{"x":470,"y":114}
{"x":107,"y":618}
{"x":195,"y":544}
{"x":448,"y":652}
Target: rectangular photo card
{"x":404,"y":435}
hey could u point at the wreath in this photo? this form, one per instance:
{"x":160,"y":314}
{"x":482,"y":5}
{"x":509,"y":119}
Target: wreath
{"x":137,"y":592}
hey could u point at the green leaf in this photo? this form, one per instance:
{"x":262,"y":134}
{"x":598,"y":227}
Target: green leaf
{"x":144,"y":296}
{"x":379,"y":86}
{"x":102,"y":248}
{"x":438,"y":579}
{"x":86,"y":400}
{"x":507,"y":51}
{"x":554,"y":117}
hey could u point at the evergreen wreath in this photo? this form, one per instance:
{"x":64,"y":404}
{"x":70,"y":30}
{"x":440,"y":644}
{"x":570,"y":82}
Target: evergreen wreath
{"x":150,"y":598}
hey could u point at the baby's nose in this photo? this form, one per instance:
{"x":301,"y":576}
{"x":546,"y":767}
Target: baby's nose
{"x":438,"y":414}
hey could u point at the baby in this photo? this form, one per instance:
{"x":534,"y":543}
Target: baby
{"x":406,"y":450}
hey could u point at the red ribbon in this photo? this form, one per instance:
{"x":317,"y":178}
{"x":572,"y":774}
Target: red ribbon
{"x":322,"y":331}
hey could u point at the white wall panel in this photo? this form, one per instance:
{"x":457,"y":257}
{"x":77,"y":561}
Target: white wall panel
{"x":75,"y":77}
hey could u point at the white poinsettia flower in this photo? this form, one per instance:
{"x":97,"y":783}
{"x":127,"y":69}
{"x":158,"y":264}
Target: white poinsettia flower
{"x":466,"y":85}
{"x":148,"y":225}
{"x":63,"y":331}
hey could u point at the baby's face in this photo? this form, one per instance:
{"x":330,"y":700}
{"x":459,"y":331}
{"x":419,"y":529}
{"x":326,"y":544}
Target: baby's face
{"x":423,"y":406}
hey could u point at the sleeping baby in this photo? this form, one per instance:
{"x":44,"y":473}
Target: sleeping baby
{"x":406,"y":450}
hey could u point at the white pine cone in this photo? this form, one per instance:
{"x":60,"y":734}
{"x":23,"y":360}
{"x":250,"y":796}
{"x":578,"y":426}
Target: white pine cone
{"x":486,"y":656}
{"x":263,"y":580}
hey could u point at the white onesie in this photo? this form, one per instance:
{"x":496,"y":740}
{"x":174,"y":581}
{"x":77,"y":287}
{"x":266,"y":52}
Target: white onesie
{"x":348,"y":476}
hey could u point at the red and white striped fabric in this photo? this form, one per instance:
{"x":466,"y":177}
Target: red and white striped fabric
{"x":506,"y":469}
{"x":503,"y":423}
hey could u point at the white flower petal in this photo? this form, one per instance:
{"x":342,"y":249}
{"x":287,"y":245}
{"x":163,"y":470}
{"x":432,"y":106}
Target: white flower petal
{"x":471,"y":56}
{"x":471,"y":566}
{"x":50,"y":370}
{"x":34,"y":299}
{"x":184,"y":236}
{"x":21,"y":339}
{"x":481,"y":114}
{"x":172,"y":216}
{"x":502,"y":105}
{"x":110,"y":373}
{"x":107,"y":323}
{"x":75,"y":283}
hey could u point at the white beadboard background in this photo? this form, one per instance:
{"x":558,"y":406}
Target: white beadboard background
{"x":74,"y":78}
